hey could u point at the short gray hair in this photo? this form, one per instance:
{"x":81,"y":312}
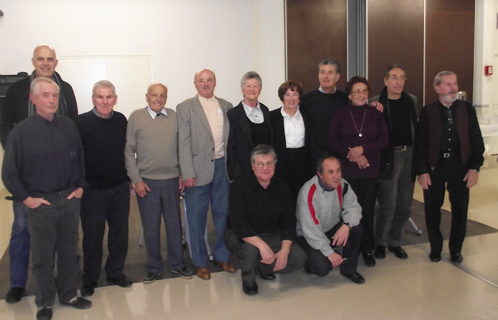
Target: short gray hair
{"x":35,"y":84}
{"x":250,"y":75}
{"x":439,"y":77}
{"x":104,"y":84}
{"x":329,"y":61}
{"x":263,"y":150}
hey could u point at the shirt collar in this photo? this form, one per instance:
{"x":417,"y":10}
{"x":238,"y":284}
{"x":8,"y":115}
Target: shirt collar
{"x":285,"y":115}
{"x":321,"y":90}
{"x":153,"y":114}
{"x":249,"y":109}
{"x":320,"y":182}
{"x":98,"y":115}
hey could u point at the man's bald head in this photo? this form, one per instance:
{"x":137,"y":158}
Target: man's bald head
{"x":44,"y":60}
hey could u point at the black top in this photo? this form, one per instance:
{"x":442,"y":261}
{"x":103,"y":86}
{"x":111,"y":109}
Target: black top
{"x":255,"y":210}
{"x":240,"y":140}
{"x":320,"y":108}
{"x":43,"y":156}
{"x":16,"y":105}
{"x":260,"y":133}
{"x":402,"y":128}
{"x":103,"y":143}
{"x":450,"y":142}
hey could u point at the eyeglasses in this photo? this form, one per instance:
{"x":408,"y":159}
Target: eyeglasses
{"x":360,"y":92}
{"x":261,"y":164}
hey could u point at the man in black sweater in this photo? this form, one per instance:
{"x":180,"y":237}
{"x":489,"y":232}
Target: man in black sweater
{"x":18,"y":107}
{"x":321,"y":105}
{"x":103,"y":135}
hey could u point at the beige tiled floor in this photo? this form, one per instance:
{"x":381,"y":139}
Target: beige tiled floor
{"x":411,"y":289}
{"x":395,"y":289}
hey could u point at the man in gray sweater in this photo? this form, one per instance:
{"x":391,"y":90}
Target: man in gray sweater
{"x":151,"y":157}
{"x":328,"y":216}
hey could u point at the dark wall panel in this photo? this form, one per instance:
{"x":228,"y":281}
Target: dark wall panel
{"x":316,"y":29}
{"x":450,"y":43}
{"x":396,"y":35}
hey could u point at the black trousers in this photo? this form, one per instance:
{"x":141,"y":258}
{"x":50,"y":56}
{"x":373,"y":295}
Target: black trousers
{"x":248,"y":256}
{"x":366,"y":192}
{"x":320,"y":265}
{"x":448,"y":173}
{"x":97,"y":207}
{"x":294,"y":174}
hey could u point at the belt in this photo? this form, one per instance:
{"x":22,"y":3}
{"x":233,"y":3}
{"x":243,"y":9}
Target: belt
{"x":450,"y":154}
{"x":401,"y":148}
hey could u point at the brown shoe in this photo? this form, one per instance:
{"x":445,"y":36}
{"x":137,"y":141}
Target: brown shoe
{"x":226,"y":266}
{"x":203,"y":273}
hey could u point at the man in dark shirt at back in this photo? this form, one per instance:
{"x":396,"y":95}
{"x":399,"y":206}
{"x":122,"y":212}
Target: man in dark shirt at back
{"x":43,"y":168}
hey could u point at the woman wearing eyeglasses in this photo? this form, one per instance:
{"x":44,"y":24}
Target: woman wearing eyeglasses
{"x":357,"y":135}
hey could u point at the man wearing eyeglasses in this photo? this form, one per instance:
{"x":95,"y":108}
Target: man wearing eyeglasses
{"x":262,"y":223}
{"x":397,"y":178}
{"x":449,"y":153}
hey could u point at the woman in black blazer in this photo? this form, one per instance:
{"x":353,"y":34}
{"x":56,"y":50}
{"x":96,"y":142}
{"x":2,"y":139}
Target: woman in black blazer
{"x":249,"y":126}
{"x":289,"y":138}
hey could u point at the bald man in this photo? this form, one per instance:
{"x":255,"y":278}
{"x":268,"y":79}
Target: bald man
{"x":18,"y":107}
{"x":203,"y":136}
{"x":151,"y":158}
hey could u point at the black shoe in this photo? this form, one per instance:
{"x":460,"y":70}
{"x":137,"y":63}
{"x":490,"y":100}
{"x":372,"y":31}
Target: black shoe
{"x":399,"y":252}
{"x":435,"y":257}
{"x":183,"y":272}
{"x":14,"y":295}
{"x":78,"y":303}
{"x":355,"y":277}
{"x":369,"y":259}
{"x":264,"y":276}
{"x":250,"y":291}
{"x":121,"y":280}
{"x":152,"y":276}
{"x":456,"y":257}
{"x":88,"y":288}
{"x":307,"y":269}
{"x":380,"y":252}
{"x":44,"y":313}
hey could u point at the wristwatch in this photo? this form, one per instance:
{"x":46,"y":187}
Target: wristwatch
{"x":346,"y":224}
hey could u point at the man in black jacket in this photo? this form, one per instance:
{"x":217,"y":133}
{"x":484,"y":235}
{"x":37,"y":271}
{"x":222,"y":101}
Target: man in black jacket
{"x":396,"y":180}
{"x":18,"y":107}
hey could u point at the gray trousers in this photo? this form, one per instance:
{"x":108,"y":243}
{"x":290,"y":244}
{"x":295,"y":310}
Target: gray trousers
{"x":163,"y":200}
{"x":54,"y":230}
{"x":395,"y":201}
{"x":248,"y":256}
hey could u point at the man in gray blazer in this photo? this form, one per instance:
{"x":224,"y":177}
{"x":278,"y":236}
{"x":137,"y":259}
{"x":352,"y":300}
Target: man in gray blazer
{"x":203,"y":136}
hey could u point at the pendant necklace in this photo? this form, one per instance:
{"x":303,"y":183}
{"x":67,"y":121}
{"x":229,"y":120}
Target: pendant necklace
{"x":362,"y":122}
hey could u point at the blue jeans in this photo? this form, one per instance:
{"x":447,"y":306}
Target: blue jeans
{"x":19,"y":247}
{"x":198,"y":199}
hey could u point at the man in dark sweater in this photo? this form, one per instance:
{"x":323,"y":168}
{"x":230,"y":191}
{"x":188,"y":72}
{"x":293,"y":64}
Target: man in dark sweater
{"x":43,"y":167}
{"x":449,"y":152}
{"x":396,"y":171}
{"x":321,"y":105}
{"x":18,"y":107}
{"x":103,"y":135}
{"x":262,"y":223}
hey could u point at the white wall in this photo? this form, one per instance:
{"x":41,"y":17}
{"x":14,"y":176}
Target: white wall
{"x":486,"y":53}
{"x":181,"y":37}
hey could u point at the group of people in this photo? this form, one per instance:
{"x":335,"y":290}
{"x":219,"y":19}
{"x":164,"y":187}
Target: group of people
{"x":289,"y":188}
